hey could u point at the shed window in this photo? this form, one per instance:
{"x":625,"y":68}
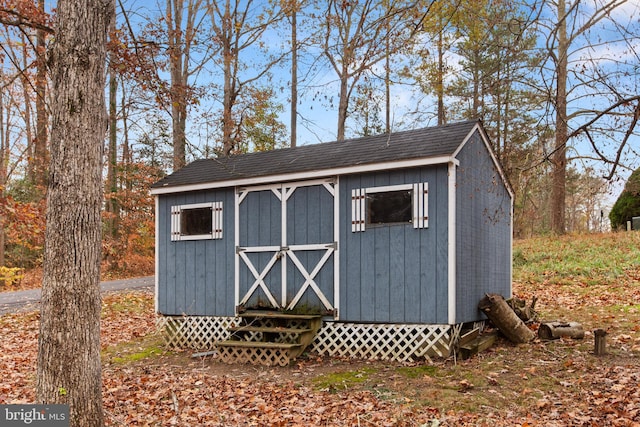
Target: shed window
{"x":196,"y":221}
{"x":390,"y":207}
{"x":393,"y":204}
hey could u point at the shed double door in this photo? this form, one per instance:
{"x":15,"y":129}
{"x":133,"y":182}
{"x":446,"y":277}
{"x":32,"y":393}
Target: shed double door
{"x":286,"y":247}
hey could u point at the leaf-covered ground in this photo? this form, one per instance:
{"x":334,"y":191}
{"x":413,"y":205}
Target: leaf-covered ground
{"x":593,"y":279}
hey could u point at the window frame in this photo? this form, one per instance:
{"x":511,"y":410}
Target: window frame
{"x":419,"y":208}
{"x":216,"y":221}
{"x":382,"y":190}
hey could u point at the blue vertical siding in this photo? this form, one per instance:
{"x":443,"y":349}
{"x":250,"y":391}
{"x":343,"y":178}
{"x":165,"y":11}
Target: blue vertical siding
{"x":483,"y":231}
{"x":395,"y":273}
{"x":195,"y":277}
{"x":310,"y":221}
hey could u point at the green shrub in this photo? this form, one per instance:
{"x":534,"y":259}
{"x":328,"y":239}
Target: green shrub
{"x":628,"y":204}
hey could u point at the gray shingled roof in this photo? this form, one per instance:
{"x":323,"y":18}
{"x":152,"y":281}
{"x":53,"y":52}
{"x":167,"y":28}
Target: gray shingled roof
{"x":412,"y":144}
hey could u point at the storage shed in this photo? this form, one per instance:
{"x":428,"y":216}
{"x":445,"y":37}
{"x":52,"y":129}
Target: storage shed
{"x":391,"y":240}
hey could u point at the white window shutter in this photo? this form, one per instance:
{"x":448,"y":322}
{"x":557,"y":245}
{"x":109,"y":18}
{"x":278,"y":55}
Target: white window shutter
{"x":216,"y":208}
{"x":358,"y":209}
{"x":421,"y":205}
{"x":175,"y":223}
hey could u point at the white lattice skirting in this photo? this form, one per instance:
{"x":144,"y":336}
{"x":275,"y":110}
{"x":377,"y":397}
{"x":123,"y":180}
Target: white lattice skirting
{"x":195,"y":332}
{"x":397,"y":342}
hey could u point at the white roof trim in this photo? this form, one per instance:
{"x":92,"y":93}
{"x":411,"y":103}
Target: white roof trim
{"x":308,"y":174}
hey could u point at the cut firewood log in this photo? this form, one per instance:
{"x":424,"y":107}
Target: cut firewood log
{"x":505,"y":319}
{"x":525,"y":312}
{"x":555,"y":330}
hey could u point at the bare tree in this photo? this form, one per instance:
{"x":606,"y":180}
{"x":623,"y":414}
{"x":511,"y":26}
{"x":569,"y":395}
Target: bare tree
{"x":182,"y":32}
{"x":239,"y":27}
{"x":173,"y":38}
{"x":583,"y":95}
{"x":430,"y":51}
{"x":41,"y":147}
{"x":69,"y":368}
{"x":353,"y":41}
{"x":111,"y":202}
{"x":291,"y":10}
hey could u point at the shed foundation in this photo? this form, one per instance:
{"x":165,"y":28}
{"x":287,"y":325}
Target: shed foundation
{"x":393,"y":342}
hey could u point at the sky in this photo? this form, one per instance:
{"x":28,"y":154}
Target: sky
{"x":319,"y":89}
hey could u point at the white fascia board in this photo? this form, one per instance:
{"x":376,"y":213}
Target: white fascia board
{"x":157,"y":253}
{"x":236,"y":256}
{"x":511,"y":254}
{"x":278,"y":185}
{"x":451,"y":244}
{"x":400,"y":164}
{"x":336,"y":252}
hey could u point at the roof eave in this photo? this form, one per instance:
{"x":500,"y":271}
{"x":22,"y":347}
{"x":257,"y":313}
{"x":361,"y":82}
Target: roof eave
{"x":295,"y":176}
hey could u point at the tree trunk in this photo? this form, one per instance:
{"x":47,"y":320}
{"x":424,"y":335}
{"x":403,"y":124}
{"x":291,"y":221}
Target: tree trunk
{"x":111,"y":204}
{"x":559,"y":158}
{"x":177,"y":52}
{"x":40,"y":152}
{"x":343,"y":104}
{"x":228,"y":142}
{"x":440,"y":79}
{"x":4,"y":154}
{"x":69,"y":369}
{"x":294,"y":74}
{"x":126,"y":150}
{"x":498,"y":311}
{"x":387,"y":85}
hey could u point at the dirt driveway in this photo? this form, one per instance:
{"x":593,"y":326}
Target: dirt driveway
{"x":11,"y":302}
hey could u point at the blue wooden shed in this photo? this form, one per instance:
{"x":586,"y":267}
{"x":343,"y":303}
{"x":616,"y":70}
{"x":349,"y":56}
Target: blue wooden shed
{"x":392,"y":239}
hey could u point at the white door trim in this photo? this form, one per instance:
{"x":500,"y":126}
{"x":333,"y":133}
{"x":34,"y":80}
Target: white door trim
{"x":285,"y":252}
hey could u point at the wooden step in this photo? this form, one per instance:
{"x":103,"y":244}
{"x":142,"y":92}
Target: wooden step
{"x":277,"y":315}
{"x":477,"y":345}
{"x":257,"y":340}
{"x":269,"y":329}
{"x":257,"y":353}
{"x":258,"y":344}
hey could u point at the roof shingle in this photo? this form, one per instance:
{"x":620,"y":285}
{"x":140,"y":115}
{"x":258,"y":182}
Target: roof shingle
{"x":406,"y":145}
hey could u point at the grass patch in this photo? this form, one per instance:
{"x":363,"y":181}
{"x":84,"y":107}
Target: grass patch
{"x":336,"y":381}
{"x":134,"y":351}
{"x":586,"y":259}
{"x":414,"y":372}
{"x":126,"y":303}
{"x":627,"y":308}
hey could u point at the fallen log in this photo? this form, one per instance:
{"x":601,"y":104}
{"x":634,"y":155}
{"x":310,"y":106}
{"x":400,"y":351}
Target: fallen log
{"x":505,"y":319}
{"x":555,"y":330}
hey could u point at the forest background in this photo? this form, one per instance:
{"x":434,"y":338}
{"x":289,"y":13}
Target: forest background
{"x":556,"y":84}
